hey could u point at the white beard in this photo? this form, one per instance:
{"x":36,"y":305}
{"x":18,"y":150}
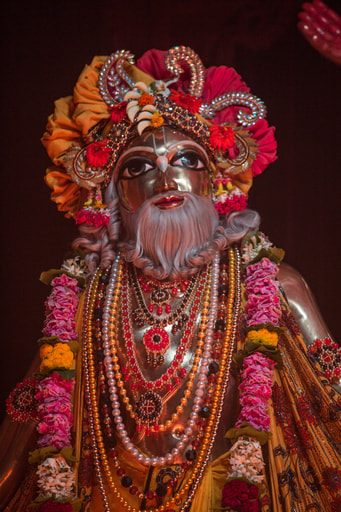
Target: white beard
{"x":174,"y":243}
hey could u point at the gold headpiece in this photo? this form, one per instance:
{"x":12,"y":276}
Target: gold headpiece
{"x":114,"y":100}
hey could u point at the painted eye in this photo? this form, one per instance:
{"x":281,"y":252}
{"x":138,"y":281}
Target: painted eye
{"x":134,"y":167}
{"x":189,"y":160}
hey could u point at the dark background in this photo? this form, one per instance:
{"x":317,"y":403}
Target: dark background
{"x":44,"y":48}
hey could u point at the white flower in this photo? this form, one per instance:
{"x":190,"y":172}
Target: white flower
{"x":55,"y":479}
{"x":255,"y":244}
{"x":246,"y":460}
{"x":75,"y":266}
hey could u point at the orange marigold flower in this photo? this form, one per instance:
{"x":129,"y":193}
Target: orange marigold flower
{"x":186,"y":101}
{"x":118,"y":112}
{"x":263,"y":336}
{"x":156,"y":120}
{"x":146,"y":99}
{"x":97,"y":153}
{"x":222,"y":137}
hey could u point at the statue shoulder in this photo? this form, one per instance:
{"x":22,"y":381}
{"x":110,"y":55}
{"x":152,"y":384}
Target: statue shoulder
{"x":302,"y":304}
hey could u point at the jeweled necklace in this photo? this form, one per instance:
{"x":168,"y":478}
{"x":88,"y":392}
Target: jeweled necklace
{"x":156,"y":339}
{"x":153,"y":345}
{"x":113,"y":294}
{"x":144,"y":314}
{"x":160,"y":297}
{"x":171,"y":378}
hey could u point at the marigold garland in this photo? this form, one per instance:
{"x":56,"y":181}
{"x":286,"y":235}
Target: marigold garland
{"x":146,"y":99}
{"x":156,"y":120}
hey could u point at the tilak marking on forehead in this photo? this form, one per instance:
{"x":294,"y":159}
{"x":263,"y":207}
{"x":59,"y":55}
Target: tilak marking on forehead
{"x":162,"y":160}
{"x":162,"y":149}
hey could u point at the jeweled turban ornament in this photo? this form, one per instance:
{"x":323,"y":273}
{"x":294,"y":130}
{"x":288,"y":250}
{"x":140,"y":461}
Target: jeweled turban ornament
{"x":115,"y":100}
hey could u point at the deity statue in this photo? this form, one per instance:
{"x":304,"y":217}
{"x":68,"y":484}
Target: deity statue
{"x":182,"y":365}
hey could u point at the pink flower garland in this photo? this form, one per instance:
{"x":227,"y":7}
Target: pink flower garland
{"x":236,"y":202}
{"x":240,"y":496}
{"x":54,"y":397}
{"x":263,"y":303}
{"x":51,"y":506}
{"x":255,"y":391}
{"x":262,"y":307}
{"x":61,"y":307}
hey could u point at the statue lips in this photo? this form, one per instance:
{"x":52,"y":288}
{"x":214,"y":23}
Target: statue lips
{"x":168,"y":202}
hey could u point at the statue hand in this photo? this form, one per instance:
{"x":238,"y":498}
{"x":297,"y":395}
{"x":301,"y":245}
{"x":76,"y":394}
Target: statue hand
{"x":321,"y":26}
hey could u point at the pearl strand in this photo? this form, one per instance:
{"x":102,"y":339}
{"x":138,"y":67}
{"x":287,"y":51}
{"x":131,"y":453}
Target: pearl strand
{"x":193,"y":370}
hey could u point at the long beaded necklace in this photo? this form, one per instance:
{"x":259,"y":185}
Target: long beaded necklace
{"x":113,"y":294}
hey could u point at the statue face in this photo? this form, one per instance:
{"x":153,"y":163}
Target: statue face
{"x":165,"y":164}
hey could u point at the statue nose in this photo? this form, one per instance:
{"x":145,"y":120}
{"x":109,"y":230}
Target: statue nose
{"x":164,"y":180}
{"x":162,"y":163}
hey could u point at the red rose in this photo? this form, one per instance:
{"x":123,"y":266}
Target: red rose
{"x":240,"y":496}
{"x":222,"y":137}
{"x":97,"y":153}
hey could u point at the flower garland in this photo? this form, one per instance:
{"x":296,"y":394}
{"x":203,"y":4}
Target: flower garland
{"x":56,"y":482}
{"x":258,"y":360}
{"x":55,"y":411}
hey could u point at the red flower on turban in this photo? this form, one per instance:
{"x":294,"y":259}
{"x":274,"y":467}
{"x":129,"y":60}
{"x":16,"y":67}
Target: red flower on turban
{"x":97,"y":153}
{"x":118,"y":112}
{"x":186,"y":101}
{"x":222,"y":137}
